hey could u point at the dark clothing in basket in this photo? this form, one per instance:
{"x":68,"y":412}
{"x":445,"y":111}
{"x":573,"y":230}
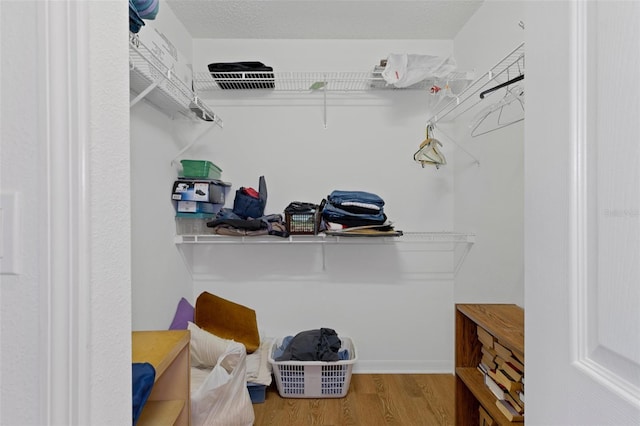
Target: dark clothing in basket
{"x":313,"y":345}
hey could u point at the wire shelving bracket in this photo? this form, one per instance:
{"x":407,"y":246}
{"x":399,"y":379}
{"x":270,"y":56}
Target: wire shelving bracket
{"x":473,"y":90}
{"x":151,"y":79}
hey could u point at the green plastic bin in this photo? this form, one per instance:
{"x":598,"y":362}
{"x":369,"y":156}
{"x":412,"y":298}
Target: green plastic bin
{"x":200,"y":169}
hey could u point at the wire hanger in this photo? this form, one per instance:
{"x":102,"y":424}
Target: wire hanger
{"x":514,"y":94}
{"x":428,"y":152}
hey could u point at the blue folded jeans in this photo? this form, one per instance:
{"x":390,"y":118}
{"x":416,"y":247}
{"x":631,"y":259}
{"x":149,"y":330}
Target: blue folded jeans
{"x":354,"y":208}
{"x":340,"y":197}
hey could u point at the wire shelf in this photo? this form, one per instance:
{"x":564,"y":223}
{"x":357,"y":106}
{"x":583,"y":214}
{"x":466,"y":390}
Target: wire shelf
{"x":407,"y":237}
{"x":151,"y":79}
{"x":458,"y":244}
{"x":309,"y":81}
{"x":510,"y":66}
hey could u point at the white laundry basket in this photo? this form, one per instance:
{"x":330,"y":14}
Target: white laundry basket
{"x":314,"y":379}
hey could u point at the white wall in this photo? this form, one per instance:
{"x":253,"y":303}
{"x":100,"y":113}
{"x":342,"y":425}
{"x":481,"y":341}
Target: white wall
{"x":108,"y":188}
{"x":65,"y":315}
{"x":159,"y":276}
{"x":489,"y":198}
{"x":19,"y":294}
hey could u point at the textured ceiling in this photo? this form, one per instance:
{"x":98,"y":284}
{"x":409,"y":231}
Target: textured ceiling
{"x":324,"y":19}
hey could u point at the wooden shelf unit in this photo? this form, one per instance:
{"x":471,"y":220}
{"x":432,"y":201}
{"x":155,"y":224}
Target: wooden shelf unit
{"x":505,"y":322}
{"x":168,"y":351}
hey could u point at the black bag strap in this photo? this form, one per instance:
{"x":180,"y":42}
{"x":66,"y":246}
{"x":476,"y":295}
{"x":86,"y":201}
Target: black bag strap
{"x":262,"y":190}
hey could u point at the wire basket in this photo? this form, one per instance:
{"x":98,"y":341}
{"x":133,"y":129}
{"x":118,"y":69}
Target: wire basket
{"x":314,"y":379}
{"x":302,"y":222}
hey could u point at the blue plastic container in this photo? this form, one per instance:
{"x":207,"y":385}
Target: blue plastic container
{"x":257,"y":392}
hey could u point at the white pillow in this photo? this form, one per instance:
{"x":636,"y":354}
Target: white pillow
{"x":205,"y":347}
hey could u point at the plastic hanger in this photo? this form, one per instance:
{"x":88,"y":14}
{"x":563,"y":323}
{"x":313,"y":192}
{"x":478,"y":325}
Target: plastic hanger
{"x":429,"y":153}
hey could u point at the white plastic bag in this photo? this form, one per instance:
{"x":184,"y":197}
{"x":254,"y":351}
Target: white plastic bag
{"x":404,"y":70}
{"x":223,"y":399}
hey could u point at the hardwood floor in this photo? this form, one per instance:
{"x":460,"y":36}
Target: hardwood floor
{"x":373,"y":399}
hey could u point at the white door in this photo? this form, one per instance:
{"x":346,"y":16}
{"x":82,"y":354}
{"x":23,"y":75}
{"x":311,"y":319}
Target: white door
{"x":582,"y":213}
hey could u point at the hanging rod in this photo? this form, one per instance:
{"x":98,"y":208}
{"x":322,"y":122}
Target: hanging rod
{"x":514,"y":58}
{"x":500,"y":86}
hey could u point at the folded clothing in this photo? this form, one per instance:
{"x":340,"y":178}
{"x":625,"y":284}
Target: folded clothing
{"x":242,"y":75}
{"x":226,"y":222}
{"x":354,"y":208}
{"x":339,"y":197}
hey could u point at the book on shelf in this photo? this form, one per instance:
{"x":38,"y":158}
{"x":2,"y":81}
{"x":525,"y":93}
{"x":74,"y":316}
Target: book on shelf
{"x":509,"y":383}
{"x":519,"y":359}
{"x":516,"y":364}
{"x":502,"y":351}
{"x":520,"y":395}
{"x":508,"y":410}
{"x":485,"y":337}
{"x":495,"y":388}
{"x":489,"y":362}
{"x":488,"y":352}
{"x":515,"y":402}
{"x":512,"y":370}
